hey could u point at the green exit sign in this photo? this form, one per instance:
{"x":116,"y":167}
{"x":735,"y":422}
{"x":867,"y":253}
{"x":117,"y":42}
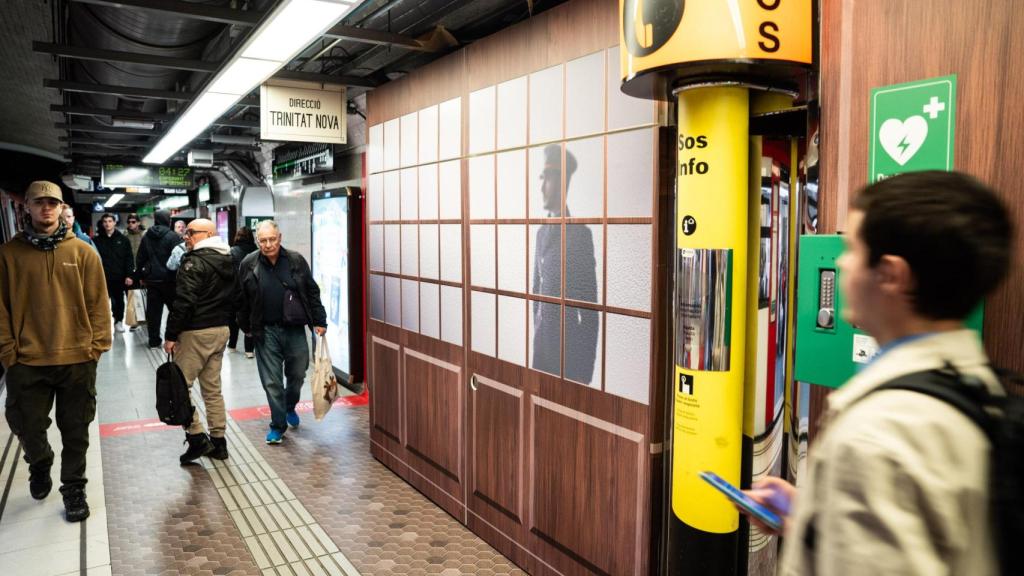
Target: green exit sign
{"x":912,"y":127}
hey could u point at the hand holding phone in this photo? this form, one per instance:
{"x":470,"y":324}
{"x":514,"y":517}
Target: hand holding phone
{"x":745,"y":503}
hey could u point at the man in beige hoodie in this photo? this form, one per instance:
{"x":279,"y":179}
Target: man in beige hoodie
{"x":897,"y":481}
{"x":54,"y":325}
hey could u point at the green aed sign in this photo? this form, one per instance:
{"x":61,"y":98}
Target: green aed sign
{"x":912,"y":127}
{"x":122,"y":176}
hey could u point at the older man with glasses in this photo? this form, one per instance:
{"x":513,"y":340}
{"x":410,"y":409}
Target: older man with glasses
{"x":197,"y":331}
{"x":279,"y":301}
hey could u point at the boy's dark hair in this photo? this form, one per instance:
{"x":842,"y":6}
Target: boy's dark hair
{"x":108,"y":215}
{"x":952,"y":230}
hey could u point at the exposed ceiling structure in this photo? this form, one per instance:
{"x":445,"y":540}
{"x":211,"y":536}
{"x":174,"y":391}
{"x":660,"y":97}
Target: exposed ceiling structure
{"x":101,"y":80}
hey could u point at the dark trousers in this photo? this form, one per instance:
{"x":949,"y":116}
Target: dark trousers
{"x":233,"y":337}
{"x":157,"y":296}
{"x":282,"y":346}
{"x":115,"y":290}
{"x":30,"y":394}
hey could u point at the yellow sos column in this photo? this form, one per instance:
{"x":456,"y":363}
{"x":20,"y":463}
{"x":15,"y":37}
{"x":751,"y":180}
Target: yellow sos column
{"x":710,"y":54}
{"x":710,"y":304}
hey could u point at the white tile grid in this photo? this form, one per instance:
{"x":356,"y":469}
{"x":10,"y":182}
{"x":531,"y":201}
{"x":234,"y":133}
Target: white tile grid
{"x":281,"y":534}
{"x":35,"y":537}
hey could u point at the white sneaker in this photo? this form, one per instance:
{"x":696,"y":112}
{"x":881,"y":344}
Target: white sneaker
{"x":248,"y":354}
{"x":119,"y":326}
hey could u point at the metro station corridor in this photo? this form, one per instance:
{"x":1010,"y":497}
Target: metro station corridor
{"x":589,"y":287}
{"x":318,"y":504}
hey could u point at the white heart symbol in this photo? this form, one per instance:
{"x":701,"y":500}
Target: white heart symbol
{"x":902,"y":140}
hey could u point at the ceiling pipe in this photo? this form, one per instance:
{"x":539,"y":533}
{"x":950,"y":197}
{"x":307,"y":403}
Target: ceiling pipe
{"x":228,"y":139}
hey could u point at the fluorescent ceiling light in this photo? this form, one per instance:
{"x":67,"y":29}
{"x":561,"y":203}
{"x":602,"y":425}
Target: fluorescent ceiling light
{"x":114,"y":199}
{"x":295,"y":27}
{"x":173,"y":202}
{"x":199,"y":115}
{"x":292,"y":26}
{"x":242,"y":75}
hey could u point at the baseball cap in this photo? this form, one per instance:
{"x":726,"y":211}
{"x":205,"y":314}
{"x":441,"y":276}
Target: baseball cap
{"x":43,"y":189}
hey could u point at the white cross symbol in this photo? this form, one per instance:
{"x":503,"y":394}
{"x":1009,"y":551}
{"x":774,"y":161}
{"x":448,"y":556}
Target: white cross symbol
{"x":933,"y":108}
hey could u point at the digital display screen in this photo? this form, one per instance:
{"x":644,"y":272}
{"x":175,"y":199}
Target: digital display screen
{"x":223,"y":225}
{"x":121,"y":175}
{"x":330,"y":270}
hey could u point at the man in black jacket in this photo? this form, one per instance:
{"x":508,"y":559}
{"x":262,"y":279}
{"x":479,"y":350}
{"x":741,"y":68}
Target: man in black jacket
{"x":279,"y":300}
{"x":151,"y":269}
{"x":116,"y":252}
{"x":197,"y":330}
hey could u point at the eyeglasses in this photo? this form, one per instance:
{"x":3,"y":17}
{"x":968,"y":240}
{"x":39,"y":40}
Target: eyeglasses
{"x":133,"y":221}
{"x":191,"y":232}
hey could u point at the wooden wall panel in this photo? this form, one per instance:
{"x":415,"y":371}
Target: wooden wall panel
{"x":497,"y":446}
{"x":386,"y":401}
{"x":587,"y":488}
{"x":872,"y":43}
{"x":433,"y":412}
{"x":550,"y":38}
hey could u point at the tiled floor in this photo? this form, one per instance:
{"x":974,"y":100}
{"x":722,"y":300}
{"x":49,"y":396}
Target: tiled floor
{"x":383,"y":525}
{"x":317,"y":504}
{"x":34,"y":538}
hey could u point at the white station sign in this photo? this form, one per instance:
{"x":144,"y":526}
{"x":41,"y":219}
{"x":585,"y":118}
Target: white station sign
{"x":291,"y":112}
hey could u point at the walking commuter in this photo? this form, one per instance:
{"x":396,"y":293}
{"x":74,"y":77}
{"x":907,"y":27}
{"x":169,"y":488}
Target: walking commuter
{"x":151,"y":270}
{"x":279,"y":300}
{"x":68,"y":215}
{"x":174,"y":260}
{"x":54,"y":325}
{"x":898,"y":481}
{"x":243,"y":246}
{"x":197,"y":329}
{"x":116,"y":252}
{"x":134,"y":231}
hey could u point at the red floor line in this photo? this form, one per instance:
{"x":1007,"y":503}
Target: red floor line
{"x":252,"y":413}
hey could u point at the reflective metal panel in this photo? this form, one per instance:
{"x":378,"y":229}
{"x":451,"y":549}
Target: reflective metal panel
{"x":703,"y":309}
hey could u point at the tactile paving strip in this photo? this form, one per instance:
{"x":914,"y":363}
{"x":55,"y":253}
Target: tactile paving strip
{"x":284,"y":539}
{"x":282,"y":535}
{"x":384,"y":525}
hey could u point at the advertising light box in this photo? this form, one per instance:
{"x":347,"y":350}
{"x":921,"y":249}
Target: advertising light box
{"x":337,"y":271}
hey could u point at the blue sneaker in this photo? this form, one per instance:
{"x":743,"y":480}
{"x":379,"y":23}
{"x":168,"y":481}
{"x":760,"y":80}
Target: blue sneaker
{"x":274,"y":436}
{"x":292,"y":418}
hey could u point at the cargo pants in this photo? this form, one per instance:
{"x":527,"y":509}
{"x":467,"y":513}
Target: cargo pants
{"x":31,"y":391}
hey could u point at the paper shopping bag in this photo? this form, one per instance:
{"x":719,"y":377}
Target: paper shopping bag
{"x":325,"y":384}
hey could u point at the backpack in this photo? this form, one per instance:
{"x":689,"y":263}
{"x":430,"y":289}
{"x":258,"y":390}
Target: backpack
{"x":173,"y":404}
{"x":1001,"y":418}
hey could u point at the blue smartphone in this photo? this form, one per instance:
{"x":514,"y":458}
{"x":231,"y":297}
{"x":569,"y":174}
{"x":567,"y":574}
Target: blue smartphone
{"x":746,"y":503}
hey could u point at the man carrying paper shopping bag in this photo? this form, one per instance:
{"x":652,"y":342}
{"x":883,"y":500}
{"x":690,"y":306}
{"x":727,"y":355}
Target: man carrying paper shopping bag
{"x":279,"y":300}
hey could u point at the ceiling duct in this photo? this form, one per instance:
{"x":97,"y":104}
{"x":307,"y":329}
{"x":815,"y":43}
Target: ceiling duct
{"x":228,"y":139}
{"x":119,"y":122}
{"x":77,"y":182}
{"x":244,"y":174}
{"x":200,"y":158}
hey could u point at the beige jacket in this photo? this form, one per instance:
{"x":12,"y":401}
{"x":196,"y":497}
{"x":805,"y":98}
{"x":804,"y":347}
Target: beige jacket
{"x":897,"y":481}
